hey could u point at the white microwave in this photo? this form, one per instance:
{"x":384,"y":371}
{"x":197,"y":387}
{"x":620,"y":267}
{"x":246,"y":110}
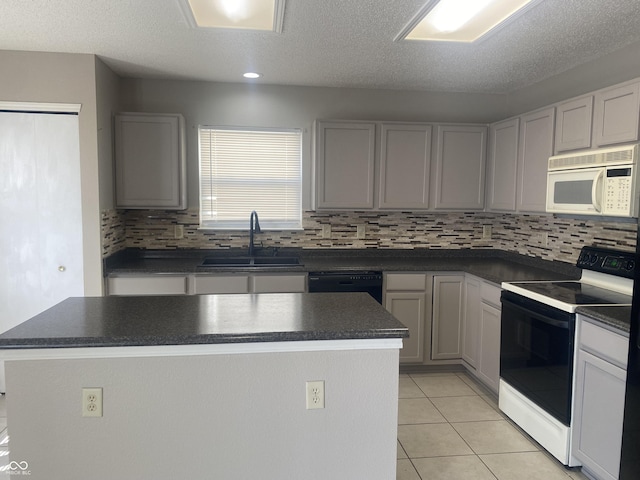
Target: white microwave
{"x":596,"y":182}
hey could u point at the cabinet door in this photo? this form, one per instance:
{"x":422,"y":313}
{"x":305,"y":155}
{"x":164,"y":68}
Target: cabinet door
{"x":599,"y":411}
{"x":208,"y":284}
{"x":615,"y":117}
{"x":405,"y":163}
{"x":345,"y":153}
{"x":488,"y":369}
{"x":503,"y":145}
{"x":460,"y":167}
{"x":148,"y":285}
{"x":534,"y":149}
{"x":448,"y":311}
{"x":573,"y":124}
{"x":471,"y":324}
{"x":150,"y":161}
{"x":269,"y":283}
{"x":409,"y":308}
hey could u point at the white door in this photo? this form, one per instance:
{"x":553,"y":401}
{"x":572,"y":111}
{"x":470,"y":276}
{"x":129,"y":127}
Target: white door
{"x":41,"y":241}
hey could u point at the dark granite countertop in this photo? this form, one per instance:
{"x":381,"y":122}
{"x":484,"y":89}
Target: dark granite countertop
{"x":204,"y":319}
{"x":493,"y":265}
{"x":616,"y":317}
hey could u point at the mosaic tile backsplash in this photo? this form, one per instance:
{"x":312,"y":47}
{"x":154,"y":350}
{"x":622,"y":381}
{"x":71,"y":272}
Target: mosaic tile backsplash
{"x":543,"y":236}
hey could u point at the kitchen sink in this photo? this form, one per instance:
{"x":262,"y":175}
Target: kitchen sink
{"x":254,"y":262}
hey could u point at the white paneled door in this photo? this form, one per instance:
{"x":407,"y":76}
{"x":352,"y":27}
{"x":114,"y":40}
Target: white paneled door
{"x":41,"y":240}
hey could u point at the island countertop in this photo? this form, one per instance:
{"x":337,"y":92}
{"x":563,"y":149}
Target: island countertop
{"x":204,"y":319}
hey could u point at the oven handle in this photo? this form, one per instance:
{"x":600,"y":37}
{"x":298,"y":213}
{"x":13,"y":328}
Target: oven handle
{"x":520,"y":303}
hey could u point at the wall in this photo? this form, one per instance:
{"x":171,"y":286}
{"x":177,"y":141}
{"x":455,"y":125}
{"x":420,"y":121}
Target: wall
{"x":239,"y":416}
{"x":65,"y":78}
{"x":205,"y":103}
{"x":524,"y":234}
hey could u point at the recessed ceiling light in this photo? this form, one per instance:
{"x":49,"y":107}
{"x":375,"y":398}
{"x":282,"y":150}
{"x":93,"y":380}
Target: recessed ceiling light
{"x":462,"y":20}
{"x":265,"y":15}
{"x":251,"y":75}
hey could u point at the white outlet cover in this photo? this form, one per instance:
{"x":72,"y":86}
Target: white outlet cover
{"x":315,"y":394}
{"x":92,"y":402}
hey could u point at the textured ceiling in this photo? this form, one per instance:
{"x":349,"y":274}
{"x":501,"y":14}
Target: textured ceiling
{"x":339,"y":43}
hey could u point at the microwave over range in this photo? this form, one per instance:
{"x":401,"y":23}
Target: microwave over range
{"x":596,"y":182}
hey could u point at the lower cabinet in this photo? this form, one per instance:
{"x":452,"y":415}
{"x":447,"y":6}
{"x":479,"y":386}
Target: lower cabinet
{"x":160,"y":284}
{"x":406,"y":298}
{"x":203,"y":284}
{"x":599,"y":399}
{"x":448,"y":312}
{"x":481,"y":331}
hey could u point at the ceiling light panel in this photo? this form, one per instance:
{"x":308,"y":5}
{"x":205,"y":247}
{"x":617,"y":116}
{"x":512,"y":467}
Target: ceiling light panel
{"x":264,"y":15}
{"x":462,"y":20}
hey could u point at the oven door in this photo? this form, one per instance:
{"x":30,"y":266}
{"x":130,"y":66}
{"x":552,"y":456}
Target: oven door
{"x":536,"y":353}
{"x":575,"y":191}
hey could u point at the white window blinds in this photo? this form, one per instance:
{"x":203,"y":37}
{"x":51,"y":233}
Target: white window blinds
{"x":250,"y":169}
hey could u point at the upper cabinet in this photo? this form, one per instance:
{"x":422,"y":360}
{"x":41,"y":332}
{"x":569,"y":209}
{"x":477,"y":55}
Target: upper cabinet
{"x":150,"y":161}
{"x":573,"y":124}
{"x":534,"y":149}
{"x":460,"y":167}
{"x":405,"y":164}
{"x":345,"y":162}
{"x":616,"y":115}
{"x":503,"y":152}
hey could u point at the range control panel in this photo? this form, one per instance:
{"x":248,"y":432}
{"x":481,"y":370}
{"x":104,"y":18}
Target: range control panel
{"x":615,"y":262}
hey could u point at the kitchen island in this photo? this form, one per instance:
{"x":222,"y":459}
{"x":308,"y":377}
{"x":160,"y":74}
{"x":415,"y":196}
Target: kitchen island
{"x":210,"y":386}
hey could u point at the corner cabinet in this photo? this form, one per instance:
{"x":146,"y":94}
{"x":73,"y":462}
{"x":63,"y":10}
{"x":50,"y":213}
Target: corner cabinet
{"x":460,"y":167}
{"x":345,"y":163}
{"x":448,"y":311}
{"x":150,"y":158}
{"x":503,"y":154}
{"x":598,"y":405}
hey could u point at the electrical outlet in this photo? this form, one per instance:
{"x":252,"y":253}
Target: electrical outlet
{"x":545,"y":239}
{"x":178,"y":231}
{"x":326,"y":231}
{"x":315,"y":394}
{"x":361,"y":232}
{"x":486,"y":232}
{"x":92,"y":402}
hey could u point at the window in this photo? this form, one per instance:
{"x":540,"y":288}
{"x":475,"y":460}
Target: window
{"x":250,"y":169}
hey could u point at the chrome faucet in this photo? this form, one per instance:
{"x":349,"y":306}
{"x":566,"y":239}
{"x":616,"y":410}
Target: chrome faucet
{"x":254,"y":227}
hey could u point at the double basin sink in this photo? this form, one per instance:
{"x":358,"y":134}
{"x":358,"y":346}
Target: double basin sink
{"x":249,"y":262}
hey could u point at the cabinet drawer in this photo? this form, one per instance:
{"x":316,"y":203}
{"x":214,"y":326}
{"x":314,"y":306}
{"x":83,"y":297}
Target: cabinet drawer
{"x":604,"y":343}
{"x":221,"y":284}
{"x":406,"y":281}
{"x":490,"y":294}
{"x":278,"y":283}
{"x":148,"y":285}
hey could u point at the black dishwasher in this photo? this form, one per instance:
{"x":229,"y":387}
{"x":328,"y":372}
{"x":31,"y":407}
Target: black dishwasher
{"x":347,"y":281}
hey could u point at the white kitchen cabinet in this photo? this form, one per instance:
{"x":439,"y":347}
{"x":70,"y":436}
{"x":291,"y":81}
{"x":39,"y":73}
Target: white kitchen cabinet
{"x":345,"y":163}
{"x":616,"y":114}
{"x":150,"y":158}
{"x":471,"y":323}
{"x":488,"y":367}
{"x":279,"y":283}
{"x":599,"y":399}
{"x":503,"y":156}
{"x":405,"y":297}
{"x":220,"y":283}
{"x":405,"y":164}
{"x":573,"y":124}
{"x":460,"y":167}
{"x":448,"y":312}
{"x":534,"y":149}
{"x":160,"y":284}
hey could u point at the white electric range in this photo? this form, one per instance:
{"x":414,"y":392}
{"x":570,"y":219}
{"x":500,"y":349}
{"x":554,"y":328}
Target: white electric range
{"x":537,"y":343}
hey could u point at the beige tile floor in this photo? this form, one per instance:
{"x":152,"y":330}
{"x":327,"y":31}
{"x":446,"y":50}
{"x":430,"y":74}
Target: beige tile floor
{"x":450,"y":428}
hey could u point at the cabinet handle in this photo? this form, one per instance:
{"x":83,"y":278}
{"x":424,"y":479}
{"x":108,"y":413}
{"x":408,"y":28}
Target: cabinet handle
{"x":62,"y":268}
